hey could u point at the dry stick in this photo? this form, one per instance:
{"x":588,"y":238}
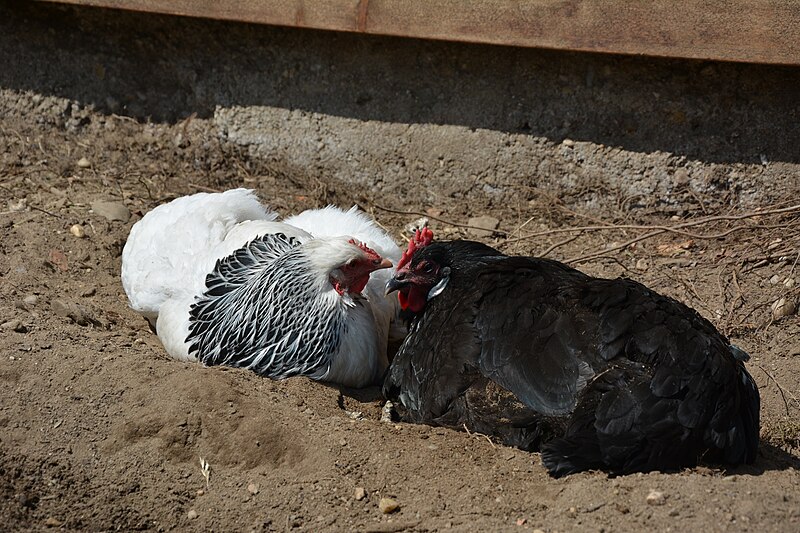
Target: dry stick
{"x":475,"y":434}
{"x":781,"y":389}
{"x":203,"y":188}
{"x":45,"y":211}
{"x":595,"y":255}
{"x":794,"y":265}
{"x":559,"y":244}
{"x":662,"y":229}
{"x":457,"y":224}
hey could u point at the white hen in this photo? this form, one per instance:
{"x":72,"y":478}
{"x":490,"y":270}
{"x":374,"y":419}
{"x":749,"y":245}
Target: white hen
{"x":224,"y":283}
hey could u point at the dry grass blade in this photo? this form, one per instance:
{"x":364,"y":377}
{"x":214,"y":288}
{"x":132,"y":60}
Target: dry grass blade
{"x":205,"y":469}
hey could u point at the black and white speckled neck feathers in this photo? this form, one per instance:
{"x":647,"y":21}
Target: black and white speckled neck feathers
{"x":266,"y":309}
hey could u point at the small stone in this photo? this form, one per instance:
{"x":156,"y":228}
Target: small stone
{"x":77,"y":313}
{"x":388,"y":505}
{"x":782,"y":308}
{"x":359,"y":494}
{"x":775,"y":279}
{"x":412,"y":227}
{"x":77,"y":230}
{"x":386,"y":412}
{"x":53,"y":522}
{"x":642,"y":264}
{"x":83,"y":163}
{"x":656,"y":498}
{"x":521,"y":521}
{"x":14,"y":325}
{"x":789,"y":283}
{"x":111,"y":210}
{"x":17,"y":205}
{"x":31,"y":300}
{"x":200,"y":492}
{"x":192,"y":514}
{"x":58,"y":259}
{"x":88,"y":293}
{"x":252,"y":488}
{"x":538,"y":531}
{"x":483,"y":226}
{"x":569,"y":143}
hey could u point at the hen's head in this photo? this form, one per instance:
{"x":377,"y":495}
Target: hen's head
{"x":416,"y":273}
{"x":426,"y":267}
{"x":346,"y":262}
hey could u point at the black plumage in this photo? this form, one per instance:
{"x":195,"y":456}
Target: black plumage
{"x":594,"y":373}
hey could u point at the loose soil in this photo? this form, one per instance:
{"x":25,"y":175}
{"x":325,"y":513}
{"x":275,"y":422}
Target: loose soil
{"x":100,"y":430}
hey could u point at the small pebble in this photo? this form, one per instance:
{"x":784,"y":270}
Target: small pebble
{"x":359,"y":494}
{"x":88,"y":293}
{"x":782,"y":308}
{"x":388,"y":505}
{"x":775,"y":279}
{"x":111,"y":210}
{"x":642,"y":264}
{"x":192,"y":514}
{"x":521,"y":521}
{"x":489,"y":223}
{"x":788,"y":283}
{"x":14,"y":325}
{"x":77,"y":230}
{"x":412,"y":227}
{"x":386,"y":412}
{"x":77,"y":313}
{"x":656,"y":498}
{"x":53,"y":522}
{"x":200,"y":492}
{"x":568,"y":143}
{"x":31,"y":300}
{"x":83,"y":163}
{"x":252,"y":488}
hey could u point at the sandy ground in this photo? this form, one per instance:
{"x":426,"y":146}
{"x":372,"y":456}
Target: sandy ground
{"x":100,"y":430}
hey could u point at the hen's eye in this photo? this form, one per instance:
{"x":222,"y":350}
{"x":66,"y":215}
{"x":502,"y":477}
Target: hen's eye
{"x":425,"y":267}
{"x":376,"y":262}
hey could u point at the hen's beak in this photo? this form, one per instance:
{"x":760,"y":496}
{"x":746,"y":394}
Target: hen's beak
{"x":384,"y":264}
{"x":395,"y":284}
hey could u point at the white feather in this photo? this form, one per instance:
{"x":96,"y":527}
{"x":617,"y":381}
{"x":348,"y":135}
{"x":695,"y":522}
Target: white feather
{"x":174,"y":247}
{"x":332,"y":221}
{"x":171,"y":245}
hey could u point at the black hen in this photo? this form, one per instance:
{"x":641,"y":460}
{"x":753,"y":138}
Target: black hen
{"x":594,"y":373}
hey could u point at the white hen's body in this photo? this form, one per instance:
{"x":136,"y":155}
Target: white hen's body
{"x":173,"y":248}
{"x":171,"y":252}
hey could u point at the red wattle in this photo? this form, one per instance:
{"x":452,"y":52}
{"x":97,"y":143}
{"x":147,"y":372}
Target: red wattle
{"x":414,"y":299}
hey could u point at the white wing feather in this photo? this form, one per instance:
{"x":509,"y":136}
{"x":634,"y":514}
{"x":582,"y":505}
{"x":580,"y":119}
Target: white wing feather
{"x":175,"y":246}
{"x":167,"y":252}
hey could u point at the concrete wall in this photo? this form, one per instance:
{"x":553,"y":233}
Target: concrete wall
{"x":450,"y":120}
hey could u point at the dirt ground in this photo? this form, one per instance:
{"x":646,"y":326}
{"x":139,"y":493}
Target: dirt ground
{"x":100,"y":430}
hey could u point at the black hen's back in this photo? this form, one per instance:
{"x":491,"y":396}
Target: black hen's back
{"x":596,"y":373}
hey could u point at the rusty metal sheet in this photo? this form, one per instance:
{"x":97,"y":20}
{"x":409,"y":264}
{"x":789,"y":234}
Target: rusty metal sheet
{"x":759,"y":31}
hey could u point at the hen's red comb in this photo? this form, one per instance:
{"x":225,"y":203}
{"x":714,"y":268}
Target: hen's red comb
{"x":422,"y":238}
{"x":363,"y":246}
